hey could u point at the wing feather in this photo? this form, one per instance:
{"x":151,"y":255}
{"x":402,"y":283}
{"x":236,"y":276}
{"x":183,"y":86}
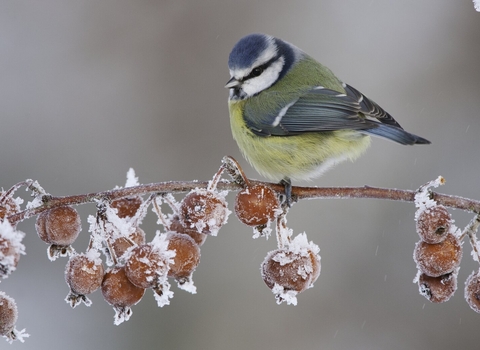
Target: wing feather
{"x":319,"y":110}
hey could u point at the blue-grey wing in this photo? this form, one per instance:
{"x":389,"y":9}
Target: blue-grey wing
{"x":316,"y":110}
{"x":320,"y":109}
{"x":369,"y":107}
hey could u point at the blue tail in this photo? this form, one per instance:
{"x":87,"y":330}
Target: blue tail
{"x":396,"y":134}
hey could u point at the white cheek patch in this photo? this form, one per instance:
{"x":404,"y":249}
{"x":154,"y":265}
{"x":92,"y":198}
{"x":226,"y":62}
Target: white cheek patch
{"x":269,"y":76}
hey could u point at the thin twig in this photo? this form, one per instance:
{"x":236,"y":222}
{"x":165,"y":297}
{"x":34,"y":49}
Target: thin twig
{"x":298,"y":192}
{"x":471,"y":230}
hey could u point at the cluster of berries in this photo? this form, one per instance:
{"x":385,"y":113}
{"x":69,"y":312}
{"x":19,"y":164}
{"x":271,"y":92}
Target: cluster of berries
{"x":295,"y":265}
{"x":134,"y":264}
{"x":131,"y":264}
{"x":439,"y":252}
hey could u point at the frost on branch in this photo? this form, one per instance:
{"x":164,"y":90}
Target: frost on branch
{"x":135,"y":262}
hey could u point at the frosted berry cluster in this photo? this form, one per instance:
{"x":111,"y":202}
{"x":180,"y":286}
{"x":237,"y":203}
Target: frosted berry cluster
{"x":119,"y":260}
{"x":438,"y":254}
{"x":135,"y":264}
{"x":295,"y":265}
{"x":123,"y":261}
{"x":439,"y":251}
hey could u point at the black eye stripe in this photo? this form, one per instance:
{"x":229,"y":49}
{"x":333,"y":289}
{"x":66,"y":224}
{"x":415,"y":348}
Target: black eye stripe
{"x":260,"y":69}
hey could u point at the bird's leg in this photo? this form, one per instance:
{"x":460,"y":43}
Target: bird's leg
{"x":287,"y":183}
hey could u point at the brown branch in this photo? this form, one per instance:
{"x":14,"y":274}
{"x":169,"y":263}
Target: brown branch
{"x":456,"y":202}
{"x":298,"y":193}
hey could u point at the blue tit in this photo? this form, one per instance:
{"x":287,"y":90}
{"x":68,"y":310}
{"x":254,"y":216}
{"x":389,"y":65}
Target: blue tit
{"x":292,"y":118}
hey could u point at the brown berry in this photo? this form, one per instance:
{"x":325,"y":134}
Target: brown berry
{"x":187,"y":256}
{"x":438,"y":259}
{"x":127,"y":207}
{"x":146,"y":266}
{"x":256,"y":205}
{"x":289,"y":270}
{"x":9,"y":255}
{"x":11,"y":247}
{"x":121,"y":244}
{"x":433,"y":224}
{"x":437,"y":289}
{"x":8,"y":315}
{"x":206,"y":211}
{"x":59,"y":226}
{"x":84,"y":274}
{"x":118,"y":290}
{"x":472,"y":291}
{"x":177,"y":226}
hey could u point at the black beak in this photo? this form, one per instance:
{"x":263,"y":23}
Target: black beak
{"x":232,"y":83}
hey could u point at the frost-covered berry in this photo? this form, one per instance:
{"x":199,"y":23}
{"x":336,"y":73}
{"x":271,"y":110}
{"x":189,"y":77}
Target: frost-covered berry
{"x":127,"y":207}
{"x":10,"y":248}
{"x":472,"y":291}
{"x":187,"y":256}
{"x":437,"y":289}
{"x":292,"y":271}
{"x":204,"y":210}
{"x":8,"y":251}
{"x":8,"y":314}
{"x":146,"y":266}
{"x":119,"y":292}
{"x":121,"y":244}
{"x":84,"y":275}
{"x":256,"y":205}
{"x":433,"y":224}
{"x":438,"y":259}
{"x":177,"y":226}
{"x":8,"y":319}
{"x":59,"y":226}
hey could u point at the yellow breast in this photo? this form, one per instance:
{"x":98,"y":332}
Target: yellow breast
{"x":300,"y":157}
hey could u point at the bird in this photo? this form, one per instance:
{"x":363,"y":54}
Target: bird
{"x":292,"y":118}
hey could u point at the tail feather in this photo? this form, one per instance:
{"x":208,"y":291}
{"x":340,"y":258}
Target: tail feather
{"x":396,"y":134}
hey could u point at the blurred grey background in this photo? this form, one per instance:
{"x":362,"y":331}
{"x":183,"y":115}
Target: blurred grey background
{"x":91,"y":88}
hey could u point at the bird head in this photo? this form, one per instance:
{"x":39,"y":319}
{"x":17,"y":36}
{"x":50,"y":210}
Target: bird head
{"x":257,"y":62}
